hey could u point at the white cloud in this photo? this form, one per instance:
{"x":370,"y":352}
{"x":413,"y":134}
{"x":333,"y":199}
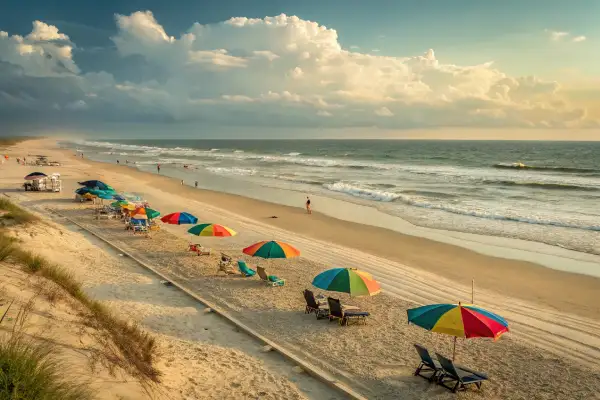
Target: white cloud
{"x":384,"y":112}
{"x":276,"y":70}
{"x":557,"y":35}
{"x":561,"y":35}
{"x":375,"y":50}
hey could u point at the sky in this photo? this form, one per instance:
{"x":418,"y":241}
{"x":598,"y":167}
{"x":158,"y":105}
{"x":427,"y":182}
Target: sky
{"x":192,"y":68}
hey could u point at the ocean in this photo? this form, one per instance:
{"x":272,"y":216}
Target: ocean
{"x":547,"y":192}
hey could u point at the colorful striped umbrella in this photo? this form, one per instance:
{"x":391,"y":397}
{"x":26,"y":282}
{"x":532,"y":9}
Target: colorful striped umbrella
{"x":149,"y":212}
{"x":211,"y":230}
{"x":458,"y":320}
{"x":272,"y":249}
{"x":347,"y":280}
{"x":179,"y":218}
{"x":119,"y":203}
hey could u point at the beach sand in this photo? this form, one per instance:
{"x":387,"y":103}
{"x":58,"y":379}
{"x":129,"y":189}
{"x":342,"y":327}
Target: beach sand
{"x":553,"y":350}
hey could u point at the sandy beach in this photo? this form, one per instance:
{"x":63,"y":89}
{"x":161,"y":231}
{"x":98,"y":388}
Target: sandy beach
{"x":553,"y":350}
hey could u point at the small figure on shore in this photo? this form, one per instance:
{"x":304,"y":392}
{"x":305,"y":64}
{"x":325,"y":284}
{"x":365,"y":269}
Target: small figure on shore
{"x":196,"y":184}
{"x":81,"y":154}
{"x":182,"y":181}
{"x":158,"y":168}
{"x":118,"y":162}
{"x":308,"y":210}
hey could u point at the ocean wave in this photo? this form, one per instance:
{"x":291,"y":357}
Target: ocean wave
{"x":548,"y":168}
{"x":542,"y":185}
{"x":294,"y":178}
{"x":362,"y":192}
{"x":293,"y":154}
{"x":232,"y":171}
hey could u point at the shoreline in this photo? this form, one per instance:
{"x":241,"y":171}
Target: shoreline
{"x":410,"y":215}
{"x":509,"y":277}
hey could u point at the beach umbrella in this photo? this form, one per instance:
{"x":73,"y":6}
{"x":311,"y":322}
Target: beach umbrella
{"x":347,"y":280}
{"x":140,"y":216}
{"x":149,"y":212}
{"x":105,"y":196}
{"x":118,"y":197}
{"x":458,"y":320}
{"x":34,"y":176}
{"x":119,"y":203}
{"x":211,"y":230}
{"x":272,"y":249}
{"x":128,"y":206}
{"x":179,"y":218}
{"x":96,"y":184}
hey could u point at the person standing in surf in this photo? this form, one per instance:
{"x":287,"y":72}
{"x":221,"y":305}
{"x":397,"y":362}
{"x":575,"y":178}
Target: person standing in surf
{"x":308,"y":210}
{"x":158,"y":168}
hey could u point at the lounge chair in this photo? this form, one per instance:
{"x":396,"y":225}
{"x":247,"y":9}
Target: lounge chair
{"x":314,"y":306}
{"x":227,"y":268}
{"x":345,"y":316}
{"x":270,"y":280}
{"x":245,"y":270}
{"x":459,"y":374}
{"x":428,"y":364}
{"x":199,"y":250}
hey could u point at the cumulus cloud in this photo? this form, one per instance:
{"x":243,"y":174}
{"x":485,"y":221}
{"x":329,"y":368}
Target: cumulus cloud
{"x":579,"y":38}
{"x":276,"y":71}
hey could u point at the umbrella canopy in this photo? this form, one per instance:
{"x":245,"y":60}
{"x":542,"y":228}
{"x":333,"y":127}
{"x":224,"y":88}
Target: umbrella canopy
{"x":119,"y":203}
{"x":105,"y":196}
{"x":149,"y":212}
{"x":272,"y":249}
{"x":211,"y":230}
{"x":118,"y":197}
{"x":96,"y":184}
{"x":139,"y":216}
{"x":347,"y":280}
{"x":179,"y":218}
{"x":34,"y":176}
{"x":467,"y":321}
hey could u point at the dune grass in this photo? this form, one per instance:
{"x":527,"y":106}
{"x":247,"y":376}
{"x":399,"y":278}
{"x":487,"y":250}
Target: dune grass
{"x":11,"y":212}
{"x":134,"y":349}
{"x":29,"y":371}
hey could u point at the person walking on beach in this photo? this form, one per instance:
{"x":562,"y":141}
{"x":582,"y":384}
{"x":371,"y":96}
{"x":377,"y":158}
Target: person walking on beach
{"x":308,"y":210}
{"x":182,"y":182}
{"x":158,"y":168}
{"x":196,"y":184}
{"x":118,"y":162}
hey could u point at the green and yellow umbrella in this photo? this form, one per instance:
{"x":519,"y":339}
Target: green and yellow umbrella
{"x":211,"y":230}
{"x":272,"y":249}
{"x":347,"y":280}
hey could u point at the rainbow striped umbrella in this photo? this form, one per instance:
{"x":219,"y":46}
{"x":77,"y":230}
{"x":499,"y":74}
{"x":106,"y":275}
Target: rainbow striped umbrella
{"x":211,"y":230}
{"x":347,"y":280}
{"x":272,"y":249}
{"x":146,"y":211}
{"x":458,"y":320}
{"x":179,"y":218}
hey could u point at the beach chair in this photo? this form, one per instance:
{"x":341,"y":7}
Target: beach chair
{"x":245,"y":270}
{"x":461,"y":375}
{"x":345,"y":316}
{"x":427,"y":364}
{"x":270,"y":280}
{"x":313,"y":306}
{"x":199,"y":250}
{"x":226,"y":268}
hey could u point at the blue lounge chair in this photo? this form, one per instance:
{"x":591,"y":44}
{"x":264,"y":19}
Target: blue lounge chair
{"x":245,"y":270}
{"x":270,"y":280}
{"x":459,"y":374}
{"x":428,"y":364}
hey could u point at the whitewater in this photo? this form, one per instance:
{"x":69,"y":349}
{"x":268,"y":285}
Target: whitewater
{"x":477,"y":187}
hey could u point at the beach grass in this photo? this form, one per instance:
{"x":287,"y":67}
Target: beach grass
{"x":15,"y":214}
{"x":29,"y":371}
{"x":134,"y":349}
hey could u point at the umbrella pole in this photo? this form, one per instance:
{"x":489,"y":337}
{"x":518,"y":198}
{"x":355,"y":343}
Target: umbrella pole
{"x":472,"y":291}
{"x":454,"y":350}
